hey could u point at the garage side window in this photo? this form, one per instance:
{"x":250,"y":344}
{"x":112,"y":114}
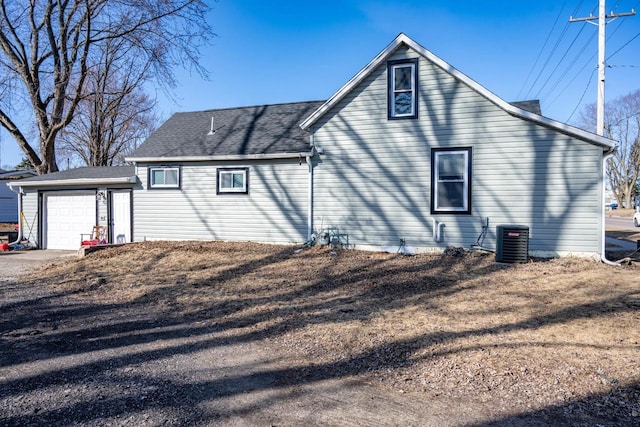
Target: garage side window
{"x":164,"y":177}
{"x":233,"y":181}
{"x":451,"y":181}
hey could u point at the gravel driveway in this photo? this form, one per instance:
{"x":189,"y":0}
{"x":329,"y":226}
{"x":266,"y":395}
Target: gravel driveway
{"x":64,"y":361}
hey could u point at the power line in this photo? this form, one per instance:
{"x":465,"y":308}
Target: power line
{"x":542,"y":49}
{"x":553,"y":51}
{"x":576,"y":75}
{"x":583,"y":95}
{"x":602,"y":22}
{"x":623,"y":46}
{"x":564,"y":55}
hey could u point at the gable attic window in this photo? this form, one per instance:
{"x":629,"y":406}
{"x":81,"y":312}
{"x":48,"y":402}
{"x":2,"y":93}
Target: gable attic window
{"x":451,"y":180}
{"x":164,"y":177}
{"x":402,"y":85}
{"x":233,"y":181}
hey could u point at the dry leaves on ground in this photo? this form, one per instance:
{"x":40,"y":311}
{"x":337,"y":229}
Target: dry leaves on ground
{"x":525,"y":336}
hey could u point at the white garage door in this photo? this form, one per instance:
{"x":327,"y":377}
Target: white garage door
{"x":67,"y":215}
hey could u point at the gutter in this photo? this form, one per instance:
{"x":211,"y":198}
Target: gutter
{"x":79,"y":181}
{"x":166,"y":159}
{"x":603,"y":255}
{"x":555,"y":125}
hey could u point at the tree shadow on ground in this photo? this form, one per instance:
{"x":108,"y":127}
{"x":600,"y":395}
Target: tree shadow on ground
{"x":112,"y":358}
{"x":605,"y":409}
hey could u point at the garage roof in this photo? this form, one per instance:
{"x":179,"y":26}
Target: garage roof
{"x":104,"y":175}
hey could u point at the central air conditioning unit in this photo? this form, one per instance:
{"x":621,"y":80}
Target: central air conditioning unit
{"x":512,"y":244}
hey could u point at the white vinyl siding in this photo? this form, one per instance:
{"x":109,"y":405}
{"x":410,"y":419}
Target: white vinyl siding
{"x":275,"y":210}
{"x":30,"y":222}
{"x":373,"y":180}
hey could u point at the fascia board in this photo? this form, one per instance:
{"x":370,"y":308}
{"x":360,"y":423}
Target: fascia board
{"x":355,"y":81}
{"x":170,"y":159}
{"x":74,"y":182}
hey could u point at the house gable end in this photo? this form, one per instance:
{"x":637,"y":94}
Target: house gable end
{"x":514,"y":109}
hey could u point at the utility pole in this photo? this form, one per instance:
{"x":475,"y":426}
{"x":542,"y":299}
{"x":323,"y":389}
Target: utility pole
{"x":602,"y":22}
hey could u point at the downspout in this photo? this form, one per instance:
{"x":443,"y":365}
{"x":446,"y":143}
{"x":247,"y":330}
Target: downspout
{"x":310,"y":192}
{"x":603,"y":256}
{"x":19,"y":193}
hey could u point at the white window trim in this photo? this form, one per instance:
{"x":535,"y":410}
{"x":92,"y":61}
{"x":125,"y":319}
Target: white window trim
{"x":393,"y":91}
{"x":465,"y":180}
{"x":242,"y":190}
{"x":164,"y":169}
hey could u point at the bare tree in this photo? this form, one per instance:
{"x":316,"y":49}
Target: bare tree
{"x":47,"y":48}
{"x":115,"y":115}
{"x":622,"y":124}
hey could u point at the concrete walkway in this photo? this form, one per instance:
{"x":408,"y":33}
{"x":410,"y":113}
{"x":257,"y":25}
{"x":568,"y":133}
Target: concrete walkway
{"x":16,"y":263}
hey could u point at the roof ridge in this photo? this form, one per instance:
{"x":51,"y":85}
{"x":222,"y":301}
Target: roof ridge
{"x":250,"y":106}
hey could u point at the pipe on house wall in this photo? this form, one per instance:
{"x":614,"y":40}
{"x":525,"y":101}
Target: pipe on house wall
{"x":437,"y":230}
{"x":603,"y":255}
{"x":19,"y":193}
{"x":310,"y":192}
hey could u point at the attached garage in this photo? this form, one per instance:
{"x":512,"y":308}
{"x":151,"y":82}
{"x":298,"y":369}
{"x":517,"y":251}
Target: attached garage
{"x":58,"y":207}
{"x":66,"y":216}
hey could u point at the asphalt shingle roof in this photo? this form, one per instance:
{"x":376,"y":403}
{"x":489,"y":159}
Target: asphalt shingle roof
{"x":16,"y":174}
{"x":101,"y":172}
{"x":532,"y":105}
{"x":265,"y":129}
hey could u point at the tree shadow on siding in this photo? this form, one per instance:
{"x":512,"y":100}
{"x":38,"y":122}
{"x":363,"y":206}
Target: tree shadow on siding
{"x":284,"y":217}
{"x":387,"y":190}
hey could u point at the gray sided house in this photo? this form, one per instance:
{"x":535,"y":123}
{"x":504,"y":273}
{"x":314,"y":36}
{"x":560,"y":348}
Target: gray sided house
{"x":60,"y":206}
{"x":409,"y":150}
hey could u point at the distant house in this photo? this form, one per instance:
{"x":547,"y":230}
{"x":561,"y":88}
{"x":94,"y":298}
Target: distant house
{"x":8,"y":198}
{"x":410,"y":151}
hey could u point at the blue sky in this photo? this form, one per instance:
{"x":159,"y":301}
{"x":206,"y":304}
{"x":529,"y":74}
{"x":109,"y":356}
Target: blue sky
{"x":284,"y":51}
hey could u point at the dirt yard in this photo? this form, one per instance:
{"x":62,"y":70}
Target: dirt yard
{"x":246,"y":334}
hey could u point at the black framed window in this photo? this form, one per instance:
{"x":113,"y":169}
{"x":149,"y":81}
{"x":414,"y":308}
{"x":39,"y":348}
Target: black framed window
{"x":164,"y":177}
{"x":233,"y":181}
{"x":402,"y":89}
{"x":451,"y":180}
